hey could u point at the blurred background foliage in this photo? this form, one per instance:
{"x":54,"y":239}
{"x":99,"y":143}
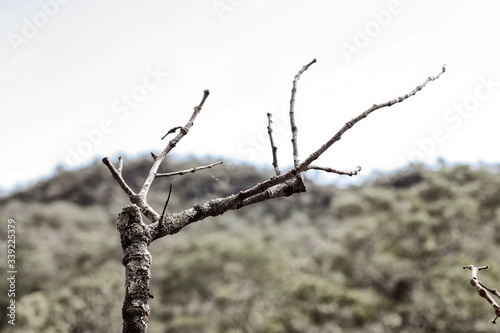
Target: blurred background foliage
{"x":384,"y":256}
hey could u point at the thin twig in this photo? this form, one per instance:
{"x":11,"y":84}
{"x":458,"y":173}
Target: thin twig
{"x":340,"y":172}
{"x":172,"y":130}
{"x":242,"y":195}
{"x":166,"y":204}
{"x":292,"y":114}
{"x":273,"y":147}
{"x":192,"y":170}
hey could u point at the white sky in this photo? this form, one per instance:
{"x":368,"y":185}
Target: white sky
{"x":67,"y":69}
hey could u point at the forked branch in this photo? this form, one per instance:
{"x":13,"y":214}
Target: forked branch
{"x":483,"y":290}
{"x":304,"y":165}
{"x":140,"y":198}
{"x":158,"y":159}
{"x":283,"y":184}
{"x":280,"y":185}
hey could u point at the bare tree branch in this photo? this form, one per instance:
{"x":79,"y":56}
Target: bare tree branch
{"x":173,"y":223}
{"x":140,"y":198}
{"x":158,"y":159}
{"x":340,"y":172}
{"x":491,"y":290}
{"x":292,"y":114}
{"x":304,"y":165}
{"x":242,"y":195}
{"x":483,"y":290}
{"x":192,"y":170}
{"x":245,"y":197}
{"x":273,"y":147}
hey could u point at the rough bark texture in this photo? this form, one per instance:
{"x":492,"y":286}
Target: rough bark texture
{"x":137,"y":261}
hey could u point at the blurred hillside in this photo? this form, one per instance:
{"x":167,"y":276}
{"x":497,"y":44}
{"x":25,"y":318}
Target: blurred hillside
{"x":386,"y":256}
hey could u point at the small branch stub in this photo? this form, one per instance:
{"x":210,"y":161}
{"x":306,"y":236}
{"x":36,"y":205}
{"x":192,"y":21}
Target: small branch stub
{"x":120,"y":165}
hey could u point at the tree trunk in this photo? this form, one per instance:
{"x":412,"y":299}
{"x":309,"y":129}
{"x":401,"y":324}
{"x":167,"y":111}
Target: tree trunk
{"x":137,"y":261}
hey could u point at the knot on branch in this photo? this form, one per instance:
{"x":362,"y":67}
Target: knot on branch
{"x":200,"y":211}
{"x":297,"y":186}
{"x":129,"y":215}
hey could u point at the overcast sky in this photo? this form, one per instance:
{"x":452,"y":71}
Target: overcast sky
{"x":81,"y":80}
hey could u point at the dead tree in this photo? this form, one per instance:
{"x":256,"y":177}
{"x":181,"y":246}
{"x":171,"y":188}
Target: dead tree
{"x":136,"y":235}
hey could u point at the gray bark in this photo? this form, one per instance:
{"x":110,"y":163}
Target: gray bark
{"x":137,"y":261}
